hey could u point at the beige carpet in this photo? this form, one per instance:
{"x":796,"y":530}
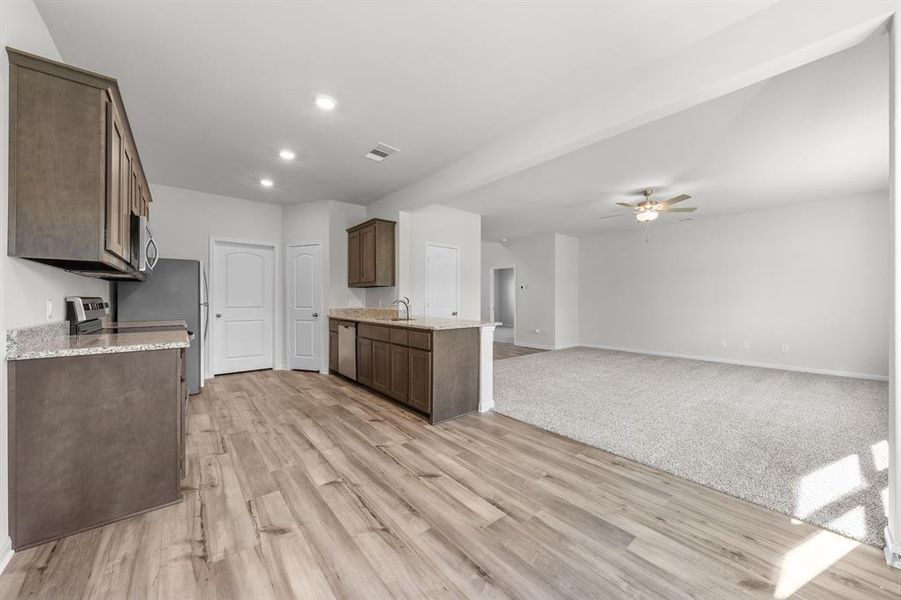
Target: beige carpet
{"x":810,"y":446}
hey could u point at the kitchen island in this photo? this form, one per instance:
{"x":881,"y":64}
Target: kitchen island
{"x":441,"y":368}
{"x":96,"y":425}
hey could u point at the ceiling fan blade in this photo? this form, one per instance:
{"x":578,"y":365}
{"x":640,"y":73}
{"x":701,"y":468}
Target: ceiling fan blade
{"x":626,"y":204}
{"x":673,"y":200}
{"x":616,"y":215}
{"x":685,"y":209}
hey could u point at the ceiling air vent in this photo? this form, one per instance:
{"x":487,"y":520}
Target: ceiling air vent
{"x":380,"y":152}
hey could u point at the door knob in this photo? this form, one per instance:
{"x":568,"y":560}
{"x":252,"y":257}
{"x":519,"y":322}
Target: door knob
{"x":218,"y":315}
{"x":315,"y":314}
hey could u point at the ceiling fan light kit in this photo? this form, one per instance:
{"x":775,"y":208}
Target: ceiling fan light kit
{"x":648,"y":210}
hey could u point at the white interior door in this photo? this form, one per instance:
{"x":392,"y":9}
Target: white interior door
{"x":442,"y":281}
{"x":304,"y":307}
{"x":243,"y":306}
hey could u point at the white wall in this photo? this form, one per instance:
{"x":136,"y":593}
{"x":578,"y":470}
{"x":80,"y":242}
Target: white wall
{"x":443,"y":225}
{"x":535,"y":290}
{"x":566,"y":291}
{"x":547,"y":287}
{"x":326,"y":222}
{"x":184,"y":220}
{"x":26,"y":285}
{"x":814,"y":277}
{"x":342,"y":216}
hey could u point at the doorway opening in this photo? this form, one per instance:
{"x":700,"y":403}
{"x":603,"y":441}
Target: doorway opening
{"x":503,"y":303}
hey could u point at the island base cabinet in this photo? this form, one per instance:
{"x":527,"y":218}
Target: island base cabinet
{"x":92,"y":439}
{"x":420,"y":395}
{"x":433,"y":372}
{"x":364,"y":362}
{"x":399,"y":372}
{"x":381,"y":366}
{"x":333,"y":351}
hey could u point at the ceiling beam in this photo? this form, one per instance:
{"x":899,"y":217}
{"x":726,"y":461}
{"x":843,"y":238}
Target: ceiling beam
{"x":782,"y":37}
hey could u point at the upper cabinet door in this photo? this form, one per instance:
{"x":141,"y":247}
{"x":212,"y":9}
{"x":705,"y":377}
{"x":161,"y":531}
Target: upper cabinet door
{"x":353,"y":258}
{"x":370,"y":254}
{"x":115,"y":186}
{"x":367,"y":254}
{"x":125,"y":198}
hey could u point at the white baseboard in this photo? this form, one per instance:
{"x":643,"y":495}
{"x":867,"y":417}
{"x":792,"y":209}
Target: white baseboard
{"x":746,"y":363}
{"x":892,"y":557}
{"x":536,"y":346}
{"x":6,"y":553}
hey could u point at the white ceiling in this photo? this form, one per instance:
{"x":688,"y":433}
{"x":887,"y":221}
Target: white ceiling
{"x":215,"y":89}
{"x":816,"y":132}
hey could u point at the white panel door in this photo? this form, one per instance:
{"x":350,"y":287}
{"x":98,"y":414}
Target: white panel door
{"x":304,"y":307}
{"x":243,"y":306}
{"x":442,"y":267}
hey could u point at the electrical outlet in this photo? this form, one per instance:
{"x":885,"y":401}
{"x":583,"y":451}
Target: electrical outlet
{"x":723,"y":343}
{"x":746,"y":344}
{"x":49,"y":309}
{"x":785,"y":347}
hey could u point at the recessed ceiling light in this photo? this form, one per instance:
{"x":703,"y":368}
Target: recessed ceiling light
{"x":267,"y":183}
{"x":503,"y":240}
{"x":287,"y":154}
{"x":325,"y":102}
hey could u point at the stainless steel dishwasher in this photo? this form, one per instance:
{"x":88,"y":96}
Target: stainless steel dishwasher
{"x":347,"y":349}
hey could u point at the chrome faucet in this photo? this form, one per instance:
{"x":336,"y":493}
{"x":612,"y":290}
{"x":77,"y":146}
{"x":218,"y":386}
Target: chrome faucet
{"x":406,"y":302}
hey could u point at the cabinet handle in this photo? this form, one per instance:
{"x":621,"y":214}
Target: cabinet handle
{"x":315,"y":314}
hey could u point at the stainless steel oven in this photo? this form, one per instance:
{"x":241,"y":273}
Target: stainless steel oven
{"x":143,"y":246}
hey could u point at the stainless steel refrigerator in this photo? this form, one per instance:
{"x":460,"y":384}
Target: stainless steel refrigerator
{"x":175,"y":290}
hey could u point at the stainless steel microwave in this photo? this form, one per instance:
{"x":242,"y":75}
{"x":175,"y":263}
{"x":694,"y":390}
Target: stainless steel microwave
{"x":144,"y":247}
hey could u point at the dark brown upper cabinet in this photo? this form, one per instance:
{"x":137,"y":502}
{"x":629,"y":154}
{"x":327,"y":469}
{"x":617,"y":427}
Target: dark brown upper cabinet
{"x":75,"y":177}
{"x":370,"y":254}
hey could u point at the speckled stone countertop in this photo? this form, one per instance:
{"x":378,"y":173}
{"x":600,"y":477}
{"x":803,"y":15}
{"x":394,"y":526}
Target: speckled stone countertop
{"x":53,"y":340}
{"x":384,"y":316}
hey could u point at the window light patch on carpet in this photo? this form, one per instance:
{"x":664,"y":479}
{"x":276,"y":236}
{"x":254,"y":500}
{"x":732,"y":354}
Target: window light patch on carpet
{"x":828,"y":484}
{"x":880,"y":455}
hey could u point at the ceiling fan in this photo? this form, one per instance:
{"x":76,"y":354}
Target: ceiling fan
{"x":648,"y":210}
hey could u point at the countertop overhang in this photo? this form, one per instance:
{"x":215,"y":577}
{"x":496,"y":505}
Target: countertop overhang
{"x":54,"y":341}
{"x":382,"y":316}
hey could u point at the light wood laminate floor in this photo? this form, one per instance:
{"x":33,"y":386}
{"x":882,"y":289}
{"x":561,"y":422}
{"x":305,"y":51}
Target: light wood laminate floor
{"x":502,"y":351}
{"x":304,"y":486}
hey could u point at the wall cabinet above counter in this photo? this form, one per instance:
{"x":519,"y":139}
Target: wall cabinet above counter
{"x":76,"y":184}
{"x":370,"y":254}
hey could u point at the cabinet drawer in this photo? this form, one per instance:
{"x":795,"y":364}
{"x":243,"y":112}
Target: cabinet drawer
{"x":420,"y":339}
{"x":374,"y":332}
{"x":399,"y":336}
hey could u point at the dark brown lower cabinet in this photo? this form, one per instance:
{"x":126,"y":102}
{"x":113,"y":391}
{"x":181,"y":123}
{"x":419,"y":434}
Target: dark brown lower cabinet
{"x":333,"y":350}
{"x":183,"y":415}
{"x":381,"y":366}
{"x":420,"y":366}
{"x":92,"y":439}
{"x":398,"y":384}
{"x":364,"y":361}
{"x":432,"y":372}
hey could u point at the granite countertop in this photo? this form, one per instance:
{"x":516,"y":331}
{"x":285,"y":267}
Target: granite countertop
{"x":53,"y":340}
{"x":384,"y":316}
